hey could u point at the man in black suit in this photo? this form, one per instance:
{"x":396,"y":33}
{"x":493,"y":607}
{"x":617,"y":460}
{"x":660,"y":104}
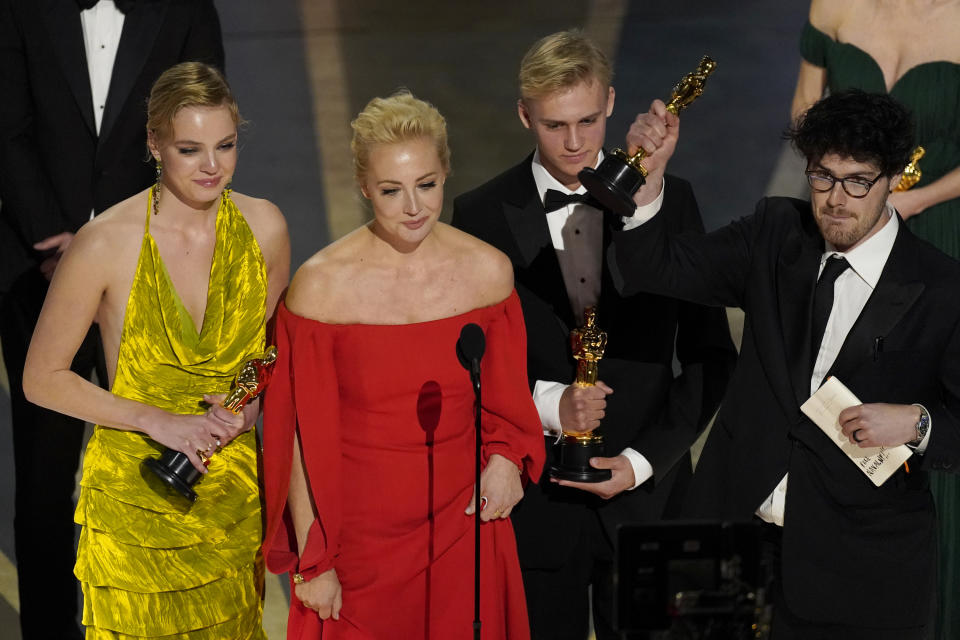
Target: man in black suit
{"x":847,"y":292}
{"x":535,"y":212}
{"x":76,"y":76}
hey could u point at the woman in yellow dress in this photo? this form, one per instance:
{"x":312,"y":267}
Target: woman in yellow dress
{"x":181,"y":284}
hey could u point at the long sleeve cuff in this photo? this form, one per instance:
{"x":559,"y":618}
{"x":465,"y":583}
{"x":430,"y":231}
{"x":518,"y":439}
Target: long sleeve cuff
{"x":644,"y":213}
{"x":642,"y":470}
{"x":546,"y":397}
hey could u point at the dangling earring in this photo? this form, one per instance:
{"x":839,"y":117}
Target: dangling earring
{"x":156,"y":188}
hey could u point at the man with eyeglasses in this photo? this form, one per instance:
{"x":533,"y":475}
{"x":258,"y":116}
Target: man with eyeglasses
{"x":847,"y":292}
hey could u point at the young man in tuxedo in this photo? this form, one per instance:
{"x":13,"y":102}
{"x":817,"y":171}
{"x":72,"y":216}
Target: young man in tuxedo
{"x":76,"y":76}
{"x":837,"y":286}
{"x":538,"y":214}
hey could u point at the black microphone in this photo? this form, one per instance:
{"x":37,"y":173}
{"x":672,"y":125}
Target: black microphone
{"x":470,"y":348}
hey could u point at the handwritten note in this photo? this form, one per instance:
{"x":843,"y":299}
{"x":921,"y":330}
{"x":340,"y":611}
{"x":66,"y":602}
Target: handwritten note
{"x":824,"y":407}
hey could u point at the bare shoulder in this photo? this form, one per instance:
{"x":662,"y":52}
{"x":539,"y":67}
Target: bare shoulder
{"x":828,"y":15}
{"x":486,"y":269}
{"x":265,"y":218}
{"x":321,"y":283}
{"x":116,"y":231}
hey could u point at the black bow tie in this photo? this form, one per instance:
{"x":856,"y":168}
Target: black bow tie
{"x":554,"y":200}
{"x":123,"y":6}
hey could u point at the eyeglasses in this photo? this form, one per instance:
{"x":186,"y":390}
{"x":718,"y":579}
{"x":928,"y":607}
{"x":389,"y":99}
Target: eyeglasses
{"x":853,"y":186}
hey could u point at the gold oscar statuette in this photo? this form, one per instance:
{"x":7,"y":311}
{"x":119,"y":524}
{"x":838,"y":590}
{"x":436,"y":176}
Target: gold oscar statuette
{"x":619,"y":176}
{"x":588,"y":344}
{"x":911,"y":172}
{"x":174,"y":467}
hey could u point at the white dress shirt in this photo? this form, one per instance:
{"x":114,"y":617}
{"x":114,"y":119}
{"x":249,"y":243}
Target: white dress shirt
{"x":851,"y":291}
{"x":102,"y":26}
{"x":576,"y":231}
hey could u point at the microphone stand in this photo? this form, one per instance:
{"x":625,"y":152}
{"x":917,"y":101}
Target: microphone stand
{"x":475,"y":379}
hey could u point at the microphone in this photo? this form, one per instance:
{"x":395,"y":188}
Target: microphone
{"x":470,"y":348}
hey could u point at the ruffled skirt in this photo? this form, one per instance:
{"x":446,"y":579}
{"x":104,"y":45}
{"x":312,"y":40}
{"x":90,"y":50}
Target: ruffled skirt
{"x":153,"y":565}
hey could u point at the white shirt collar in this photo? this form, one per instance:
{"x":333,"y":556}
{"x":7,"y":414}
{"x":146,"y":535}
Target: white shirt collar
{"x":869,"y":258}
{"x":545,"y":181}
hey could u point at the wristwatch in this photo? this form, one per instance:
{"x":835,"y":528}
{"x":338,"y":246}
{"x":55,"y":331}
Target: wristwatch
{"x":922,"y":426}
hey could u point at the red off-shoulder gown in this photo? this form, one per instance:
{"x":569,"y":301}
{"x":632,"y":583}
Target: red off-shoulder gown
{"x":385,"y":416}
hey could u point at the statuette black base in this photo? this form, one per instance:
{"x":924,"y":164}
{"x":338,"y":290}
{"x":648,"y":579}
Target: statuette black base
{"x":613,"y":184}
{"x":176,"y":471}
{"x":574,"y":463}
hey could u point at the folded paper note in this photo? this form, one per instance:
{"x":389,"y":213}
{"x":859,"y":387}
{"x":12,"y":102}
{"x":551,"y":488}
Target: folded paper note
{"x":824,"y":407}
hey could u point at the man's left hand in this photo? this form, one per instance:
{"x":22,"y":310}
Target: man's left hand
{"x":880,"y":424}
{"x":59,"y":244}
{"x":622,"y":479}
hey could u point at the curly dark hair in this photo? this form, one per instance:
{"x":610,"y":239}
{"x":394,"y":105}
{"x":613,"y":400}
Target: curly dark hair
{"x":868,"y":127}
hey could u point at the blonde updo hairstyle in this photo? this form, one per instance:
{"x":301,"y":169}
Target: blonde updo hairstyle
{"x":560,"y":61}
{"x":398,"y":118}
{"x":188,"y":84}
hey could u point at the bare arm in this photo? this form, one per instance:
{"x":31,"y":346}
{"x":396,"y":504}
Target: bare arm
{"x":916,"y":200}
{"x":74,"y":299}
{"x":825,"y":16}
{"x":302,"y":510}
{"x":321,"y":593}
{"x":811,"y":81}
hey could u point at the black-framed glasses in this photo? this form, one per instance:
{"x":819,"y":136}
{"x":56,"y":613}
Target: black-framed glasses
{"x":853,"y":186}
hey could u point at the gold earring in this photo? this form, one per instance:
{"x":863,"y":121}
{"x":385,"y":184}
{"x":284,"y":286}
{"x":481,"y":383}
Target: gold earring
{"x":156,"y":188}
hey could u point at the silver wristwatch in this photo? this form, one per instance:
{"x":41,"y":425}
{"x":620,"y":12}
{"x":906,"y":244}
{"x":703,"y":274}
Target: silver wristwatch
{"x":922,"y":426}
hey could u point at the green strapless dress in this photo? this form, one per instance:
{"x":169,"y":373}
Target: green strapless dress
{"x":151,"y":564}
{"x":932,"y":91}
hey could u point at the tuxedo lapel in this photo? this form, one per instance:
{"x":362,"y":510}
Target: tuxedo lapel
{"x":796,"y":279}
{"x":898,"y":288}
{"x":66,"y":39}
{"x":140,"y":28}
{"x":538,"y":267}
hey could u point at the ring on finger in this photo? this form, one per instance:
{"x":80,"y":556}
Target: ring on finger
{"x":203,"y":456}
{"x":219,"y":444}
{"x":854,"y":435}
{"x":497,"y":513}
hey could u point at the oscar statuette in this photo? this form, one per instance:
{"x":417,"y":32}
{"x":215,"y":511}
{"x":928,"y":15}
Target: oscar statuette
{"x":620,"y":176}
{"x":174,"y":467}
{"x":588,"y":343}
{"x":911,"y":173}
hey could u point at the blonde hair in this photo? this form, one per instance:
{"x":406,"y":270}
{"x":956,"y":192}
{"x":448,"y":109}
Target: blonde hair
{"x":398,"y":118}
{"x":560,"y":61}
{"x":188,"y":84}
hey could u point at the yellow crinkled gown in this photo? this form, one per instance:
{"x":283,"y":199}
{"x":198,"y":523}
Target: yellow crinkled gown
{"x":151,"y":564}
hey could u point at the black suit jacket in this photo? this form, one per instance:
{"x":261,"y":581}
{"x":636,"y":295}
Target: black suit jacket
{"x":650,"y":410}
{"x":852,"y":553}
{"x":54,"y":168}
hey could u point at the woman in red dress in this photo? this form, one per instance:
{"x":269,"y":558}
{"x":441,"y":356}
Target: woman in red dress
{"x":369,"y":437}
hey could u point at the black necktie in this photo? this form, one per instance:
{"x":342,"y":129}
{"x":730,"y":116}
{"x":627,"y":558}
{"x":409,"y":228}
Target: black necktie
{"x":823,"y":302}
{"x":123,"y":6}
{"x":554,"y":200}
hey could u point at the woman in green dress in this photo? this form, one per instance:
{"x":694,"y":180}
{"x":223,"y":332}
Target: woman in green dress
{"x":910,"y":50}
{"x":181,"y":284}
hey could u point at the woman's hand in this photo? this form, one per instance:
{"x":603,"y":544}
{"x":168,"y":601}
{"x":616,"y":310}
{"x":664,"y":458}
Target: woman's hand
{"x":500,"y":489}
{"x":322,"y":594}
{"x":235,"y":424}
{"x":189,"y":434}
